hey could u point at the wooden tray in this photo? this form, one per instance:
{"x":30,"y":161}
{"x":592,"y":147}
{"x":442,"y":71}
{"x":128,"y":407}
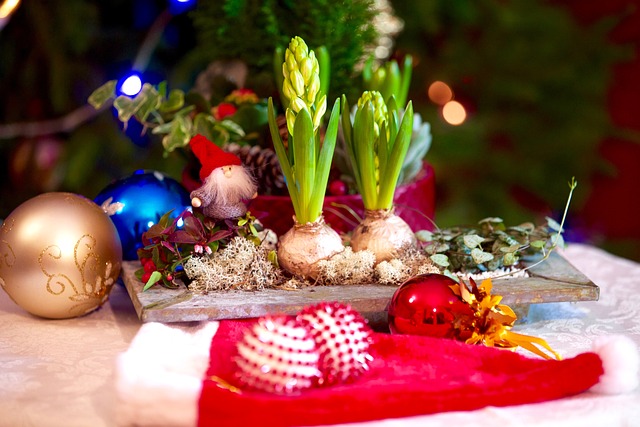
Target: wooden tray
{"x":554,"y":280}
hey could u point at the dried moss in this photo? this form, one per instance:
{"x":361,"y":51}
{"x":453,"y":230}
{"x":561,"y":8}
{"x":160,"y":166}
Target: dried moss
{"x":241,"y":265}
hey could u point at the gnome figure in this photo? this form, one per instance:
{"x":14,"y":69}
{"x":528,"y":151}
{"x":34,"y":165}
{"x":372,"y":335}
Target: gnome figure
{"x":226,"y":184}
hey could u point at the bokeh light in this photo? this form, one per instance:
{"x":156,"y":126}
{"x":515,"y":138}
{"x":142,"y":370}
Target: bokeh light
{"x":440,"y":93}
{"x":7,"y":7}
{"x":454,"y":113}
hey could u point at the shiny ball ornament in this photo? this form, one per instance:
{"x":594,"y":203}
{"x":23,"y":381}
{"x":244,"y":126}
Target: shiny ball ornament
{"x":60,"y":255}
{"x":145,"y":196}
{"x":426,"y":305}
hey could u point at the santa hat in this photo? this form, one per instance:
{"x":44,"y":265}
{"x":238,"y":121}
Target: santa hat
{"x":193,"y":382}
{"x":211,"y":156}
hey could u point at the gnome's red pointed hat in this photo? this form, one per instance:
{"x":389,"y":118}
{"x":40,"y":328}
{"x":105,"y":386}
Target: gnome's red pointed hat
{"x":211,"y":156}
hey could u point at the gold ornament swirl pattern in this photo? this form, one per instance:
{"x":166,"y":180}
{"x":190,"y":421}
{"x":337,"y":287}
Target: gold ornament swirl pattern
{"x":7,"y":257}
{"x":92,"y":286}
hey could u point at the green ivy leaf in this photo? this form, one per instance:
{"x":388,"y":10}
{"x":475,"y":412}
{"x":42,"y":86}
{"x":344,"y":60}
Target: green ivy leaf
{"x":510,"y":249}
{"x":557,"y":239}
{"x":479,"y":256}
{"x":440,"y":259}
{"x":538,"y":244}
{"x":204,"y":125}
{"x":424,"y":235}
{"x":491,"y":220}
{"x":174,"y":102}
{"x":149,"y":104}
{"x":104,"y":93}
{"x":472,"y":240}
{"x":179,"y":135}
{"x":126,"y":107}
{"x":553,"y":224}
{"x":437,"y":247}
{"x":524,"y":228}
{"x":509,"y":258}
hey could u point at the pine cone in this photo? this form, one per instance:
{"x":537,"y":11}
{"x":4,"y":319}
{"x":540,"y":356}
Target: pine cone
{"x":281,"y":121}
{"x":264,"y":166}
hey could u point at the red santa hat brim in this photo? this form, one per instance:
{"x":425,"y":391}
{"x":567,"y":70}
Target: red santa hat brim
{"x":211,"y":156}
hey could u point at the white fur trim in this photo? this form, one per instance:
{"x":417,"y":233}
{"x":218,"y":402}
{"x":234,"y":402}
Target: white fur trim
{"x":620,"y":361}
{"x":159,"y":378}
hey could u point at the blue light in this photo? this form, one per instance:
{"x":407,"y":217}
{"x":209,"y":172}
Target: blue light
{"x":179,"y":6}
{"x":131,"y":85}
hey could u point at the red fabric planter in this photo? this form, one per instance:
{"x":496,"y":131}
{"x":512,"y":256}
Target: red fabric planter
{"x":415,"y":203}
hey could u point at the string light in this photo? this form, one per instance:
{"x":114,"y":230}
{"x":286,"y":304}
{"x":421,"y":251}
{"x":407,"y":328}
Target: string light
{"x":131,"y":85}
{"x":179,"y":6}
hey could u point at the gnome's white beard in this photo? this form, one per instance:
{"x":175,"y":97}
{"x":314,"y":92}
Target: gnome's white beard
{"x":230,"y":190}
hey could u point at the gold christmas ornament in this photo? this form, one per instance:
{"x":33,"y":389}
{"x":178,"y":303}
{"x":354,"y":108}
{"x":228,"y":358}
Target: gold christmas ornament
{"x":60,"y":255}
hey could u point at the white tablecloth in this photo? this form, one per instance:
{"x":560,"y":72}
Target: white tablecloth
{"x":61,"y":372}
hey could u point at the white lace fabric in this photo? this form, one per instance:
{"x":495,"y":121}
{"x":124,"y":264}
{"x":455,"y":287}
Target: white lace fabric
{"x":62,"y":372}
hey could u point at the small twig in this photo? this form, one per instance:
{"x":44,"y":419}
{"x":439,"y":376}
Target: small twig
{"x":420,"y":213}
{"x":80,"y":115}
{"x":344,"y":217}
{"x":65,"y":123}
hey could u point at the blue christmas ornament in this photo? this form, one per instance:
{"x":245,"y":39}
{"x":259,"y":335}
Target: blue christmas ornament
{"x":146,"y":196}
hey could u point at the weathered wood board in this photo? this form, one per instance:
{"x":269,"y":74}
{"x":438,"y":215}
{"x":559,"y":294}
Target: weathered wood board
{"x":554,"y":280}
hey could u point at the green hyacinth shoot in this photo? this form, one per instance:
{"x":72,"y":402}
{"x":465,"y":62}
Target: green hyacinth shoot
{"x":389,"y":79}
{"x":377,"y":143}
{"x":306,"y":160}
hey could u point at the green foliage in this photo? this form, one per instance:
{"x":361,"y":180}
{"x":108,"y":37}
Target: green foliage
{"x":377,"y":143}
{"x":492,"y":245}
{"x":168,"y":115}
{"x":168,"y":245}
{"x":251,"y":30}
{"x":489,"y":246}
{"x":534,"y":83}
{"x":389,"y":79}
{"x":306,"y":159}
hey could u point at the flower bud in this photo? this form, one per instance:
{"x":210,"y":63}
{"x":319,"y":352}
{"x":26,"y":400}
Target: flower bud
{"x":297,"y":82}
{"x":297,"y":104}
{"x":380,"y":111}
{"x":321,"y":108}
{"x":291,"y":118}
{"x":300,"y":48}
{"x":288,"y":90}
{"x":290,"y":61}
{"x":313,"y":89}
{"x":306,"y":69}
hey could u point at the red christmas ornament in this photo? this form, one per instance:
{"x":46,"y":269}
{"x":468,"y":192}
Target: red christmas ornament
{"x":426,"y":305}
{"x":337,"y":187}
